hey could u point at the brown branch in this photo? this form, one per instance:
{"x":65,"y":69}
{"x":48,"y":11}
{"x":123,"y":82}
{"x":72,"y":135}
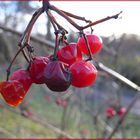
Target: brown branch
{"x":26,"y":35}
{"x":80,"y":28}
{"x":102,"y":20}
{"x":75,"y":16}
{"x":53,"y":21}
{"x":45,"y":42}
{"x":118,"y":76}
{"x":61,"y":13}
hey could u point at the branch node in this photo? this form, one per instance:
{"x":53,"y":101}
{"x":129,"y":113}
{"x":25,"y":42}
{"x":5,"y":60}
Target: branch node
{"x":46,"y":5}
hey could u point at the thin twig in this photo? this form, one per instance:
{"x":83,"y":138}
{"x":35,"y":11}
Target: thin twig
{"x":76,"y":17}
{"x":26,"y":35}
{"x":80,"y":28}
{"x":102,"y":20}
{"x":9,"y":68}
{"x":53,"y":20}
{"x":61,"y":13}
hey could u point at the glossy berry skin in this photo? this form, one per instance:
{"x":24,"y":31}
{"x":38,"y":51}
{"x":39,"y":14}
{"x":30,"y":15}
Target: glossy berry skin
{"x":57,"y":75}
{"x":37,"y":68}
{"x":122,"y":111}
{"x":95,"y":44}
{"x":83,"y":74}
{"x":12,"y":92}
{"x":69,"y":54}
{"x":110,"y":112}
{"x":23,"y":77}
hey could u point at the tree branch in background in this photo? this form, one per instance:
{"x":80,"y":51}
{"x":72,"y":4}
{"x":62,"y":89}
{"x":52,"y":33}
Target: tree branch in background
{"x":120,"y":121}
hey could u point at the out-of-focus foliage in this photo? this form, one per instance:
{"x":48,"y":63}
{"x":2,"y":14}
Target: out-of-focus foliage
{"x":126,"y":59}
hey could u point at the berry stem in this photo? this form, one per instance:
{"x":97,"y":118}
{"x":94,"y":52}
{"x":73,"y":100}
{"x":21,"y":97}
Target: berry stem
{"x":56,"y":45}
{"x":54,"y":20}
{"x":9,"y":68}
{"x":24,"y":54}
{"x":65,"y":41}
{"x":26,"y":35}
{"x":51,"y":20}
{"x":88,"y":47}
{"x":31,"y":24}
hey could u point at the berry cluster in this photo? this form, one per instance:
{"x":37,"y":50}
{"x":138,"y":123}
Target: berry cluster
{"x":58,"y":74}
{"x":111,"y":112}
{"x":65,"y":67}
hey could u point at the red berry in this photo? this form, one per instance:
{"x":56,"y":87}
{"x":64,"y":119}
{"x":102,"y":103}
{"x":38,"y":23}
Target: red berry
{"x":110,"y":112}
{"x":23,"y":77}
{"x":94,"y":41}
{"x":122,"y":111}
{"x":69,"y":54}
{"x":83,"y":73}
{"x":37,"y":68}
{"x":57,"y":75}
{"x":12,"y":92}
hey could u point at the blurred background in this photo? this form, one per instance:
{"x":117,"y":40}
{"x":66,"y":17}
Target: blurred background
{"x":77,"y":113}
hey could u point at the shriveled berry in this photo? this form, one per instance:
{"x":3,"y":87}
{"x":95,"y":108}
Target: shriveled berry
{"x":57,"y":75}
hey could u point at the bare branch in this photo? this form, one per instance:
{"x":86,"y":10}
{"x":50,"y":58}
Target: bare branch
{"x":118,"y":76}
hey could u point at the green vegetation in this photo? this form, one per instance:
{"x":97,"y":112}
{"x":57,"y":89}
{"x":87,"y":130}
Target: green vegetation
{"x":78,"y":121}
